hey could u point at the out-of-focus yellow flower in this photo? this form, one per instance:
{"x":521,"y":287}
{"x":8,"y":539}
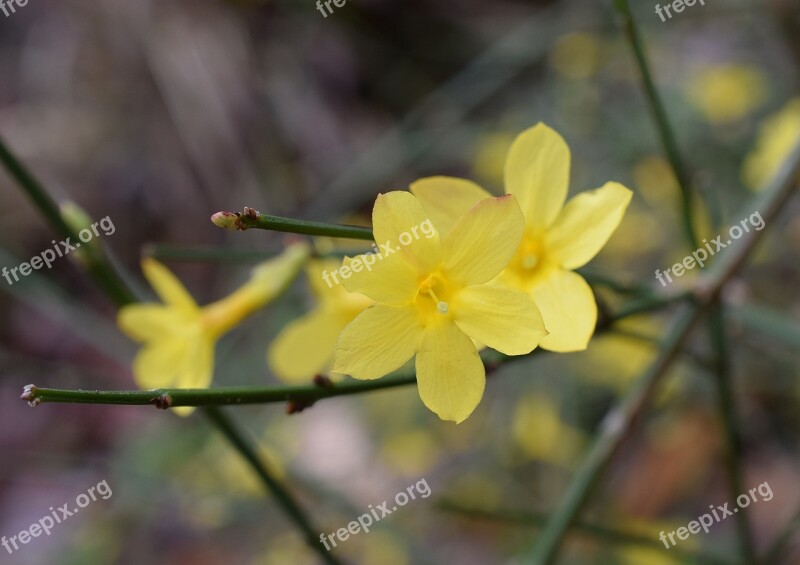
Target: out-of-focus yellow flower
{"x":305,"y":347}
{"x":490,"y":157}
{"x":656,"y":183}
{"x":381,"y":547}
{"x":646,"y":556}
{"x":777,"y":136}
{"x":433,"y":301}
{"x":541,"y":434}
{"x":411,"y":452}
{"x":576,"y":55}
{"x":285,"y":548}
{"x":557,"y":238}
{"x":727,"y":93}
{"x":179,"y":336}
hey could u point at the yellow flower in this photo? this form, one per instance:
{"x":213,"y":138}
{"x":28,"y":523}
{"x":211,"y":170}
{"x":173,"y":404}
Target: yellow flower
{"x":542,"y":434}
{"x":727,"y":93}
{"x":432,"y":301}
{"x":305,"y":347}
{"x":577,"y":55}
{"x":776,"y":138}
{"x":557,"y":238}
{"x":179,"y":336}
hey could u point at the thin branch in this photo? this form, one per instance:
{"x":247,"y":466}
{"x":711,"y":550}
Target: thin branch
{"x":662,"y":122}
{"x":290,"y":506}
{"x":108,"y":278}
{"x":165,"y":398}
{"x":773,"y":554}
{"x":253,"y":219}
{"x":299,"y":396}
{"x":598,"y":531}
{"x":733,"y":451}
{"x":614,"y":430}
{"x":620,"y":421}
{"x":96,"y":263}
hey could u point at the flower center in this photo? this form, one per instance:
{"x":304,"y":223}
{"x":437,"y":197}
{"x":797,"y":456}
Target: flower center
{"x":429,"y":287}
{"x":531,"y":261}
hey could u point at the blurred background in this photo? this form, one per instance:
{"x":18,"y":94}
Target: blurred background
{"x":158,"y":114}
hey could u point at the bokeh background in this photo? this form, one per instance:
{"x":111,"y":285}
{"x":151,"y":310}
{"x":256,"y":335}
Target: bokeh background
{"x":158,"y":114}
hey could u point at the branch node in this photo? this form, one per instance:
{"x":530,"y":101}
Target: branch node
{"x":162,"y":401}
{"x":297,"y":406}
{"x":29,"y":395}
{"x":323,"y":382}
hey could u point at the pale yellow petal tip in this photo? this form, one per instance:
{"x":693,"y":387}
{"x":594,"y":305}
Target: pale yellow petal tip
{"x":184,"y":411}
{"x":125,"y":322}
{"x":456,"y":416}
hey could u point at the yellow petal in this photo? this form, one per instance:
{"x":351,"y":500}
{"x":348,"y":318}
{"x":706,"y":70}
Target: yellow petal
{"x":197,"y":369}
{"x":304,"y":348}
{"x":502,"y":318}
{"x":446,"y":199}
{"x":483,"y":241}
{"x":314,"y":273}
{"x":270,"y":278}
{"x":400,"y":221}
{"x":586,"y":223}
{"x":157,"y":363}
{"x":380,"y":340}
{"x":386,"y":279}
{"x":143,"y":322}
{"x":568,"y":309}
{"x":450,"y":374}
{"x":178,"y":362}
{"x":167,"y":286}
{"x":537,"y":172}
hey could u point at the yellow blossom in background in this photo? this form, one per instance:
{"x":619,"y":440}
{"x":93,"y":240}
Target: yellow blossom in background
{"x":777,"y":136}
{"x":305,"y":347}
{"x":179,"y":336}
{"x":557,"y":238}
{"x":634,"y":555}
{"x":541,"y":434}
{"x":490,"y":156}
{"x":576,"y":55}
{"x":727,"y":93}
{"x":382,"y":547}
{"x":432,"y":301}
{"x":411,"y":452}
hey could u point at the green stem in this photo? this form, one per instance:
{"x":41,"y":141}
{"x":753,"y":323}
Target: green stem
{"x":191,"y":254}
{"x":591,"y":530}
{"x":303,"y":395}
{"x":620,"y":421}
{"x":614,"y":430}
{"x":733,"y":451}
{"x":172,"y":398}
{"x":662,"y":122}
{"x":292,"y":508}
{"x":775,"y":551}
{"x":206,"y":254}
{"x":621,"y":286}
{"x":96,"y":264}
{"x":252,"y":219}
{"x":105,"y":274}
